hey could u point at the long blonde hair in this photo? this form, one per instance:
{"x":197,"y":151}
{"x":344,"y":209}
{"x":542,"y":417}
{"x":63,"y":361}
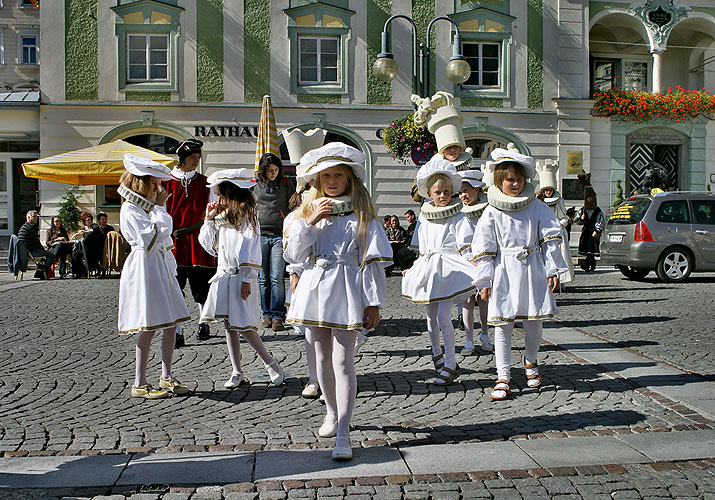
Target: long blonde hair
{"x":363,"y":206}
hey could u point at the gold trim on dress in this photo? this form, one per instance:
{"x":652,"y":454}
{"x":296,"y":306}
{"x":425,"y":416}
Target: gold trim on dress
{"x":498,"y":320}
{"x":439,"y":299}
{"x":464,"y":248}
{"x":325,"y":324}
{"x":224,"y":317}
{"x":484,"y":254}
{"x":151,"y":328}
{"x":248,"y":264}
{"x":153,"y":240}
{"x":376,"y":259}
{"x":549,"y":238}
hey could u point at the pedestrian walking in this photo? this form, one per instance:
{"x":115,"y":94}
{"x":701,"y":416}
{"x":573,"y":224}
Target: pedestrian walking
{"x":231,"y":233}
{"x":593,"y":222}
{"x":340,"y":292}
{"x":518,"y":256}
{"x":441,"y":276}
{"x":149,"y":295}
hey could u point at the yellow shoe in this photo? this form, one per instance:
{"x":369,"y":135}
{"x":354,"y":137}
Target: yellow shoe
{"x":148,"y":392}
{"x":173,"y":385}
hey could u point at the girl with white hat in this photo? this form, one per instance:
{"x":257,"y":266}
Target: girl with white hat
{"x":440,"y":276}
{"x":149,"y":295}
{"x":517,"y":250}
{"x":343,"y":286}
{"x":231,"y":233}
{"x":474,"y":201}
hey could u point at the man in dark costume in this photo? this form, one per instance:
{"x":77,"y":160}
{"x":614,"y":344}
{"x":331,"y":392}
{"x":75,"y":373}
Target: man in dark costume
{"x":593,"y":223}
{"x":189,"y":195}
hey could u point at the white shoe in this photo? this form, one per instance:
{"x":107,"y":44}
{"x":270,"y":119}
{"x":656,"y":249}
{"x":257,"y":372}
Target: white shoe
{"x":279,"y":376}
{"x":236,"y":379}
{"x":360,"y":341}
{"x":328,"y":429}
{"x":486,"y":344}
{"x":342,"y":450}
{"x":468,"y":347}
{"x":311,"y":390}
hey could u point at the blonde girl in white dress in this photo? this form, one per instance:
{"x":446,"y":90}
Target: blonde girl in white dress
{"x":230,"y":232}
{"x":343,"y":285}
{"x":149,"y":295}
{"x":441,"y":276}
{"x":517,"y":251}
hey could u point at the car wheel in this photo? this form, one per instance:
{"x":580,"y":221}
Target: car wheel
{"x":633,"y":273}
{"x":674,"y":265}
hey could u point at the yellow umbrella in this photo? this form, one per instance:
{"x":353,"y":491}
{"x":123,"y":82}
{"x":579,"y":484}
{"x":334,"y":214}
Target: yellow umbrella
{"x":101,"y":164}
{"x":267,"y":134}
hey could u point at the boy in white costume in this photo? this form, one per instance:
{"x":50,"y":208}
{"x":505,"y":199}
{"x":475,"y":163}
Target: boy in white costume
{"x":149,"y":295}
{"x":231,"y":233}
{"x":440,"y":276}
{"x":518,"y":257}
{"x":549,"y":195}
{"x":343,"y":286}
{"x":473,"y":204}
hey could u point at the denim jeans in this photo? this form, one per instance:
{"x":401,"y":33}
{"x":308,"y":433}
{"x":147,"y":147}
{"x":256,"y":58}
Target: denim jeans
{"x":271,"y":278}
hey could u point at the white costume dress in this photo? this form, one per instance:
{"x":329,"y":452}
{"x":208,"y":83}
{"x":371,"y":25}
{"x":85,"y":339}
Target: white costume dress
{"x":515,"y":252}
{"x":149,"y":295}
{"x":296,"y":268}
{"x":341,"y":278}
{"x":239,"y":260}
{"x":441,"y":272}
{"x":559,"y":207}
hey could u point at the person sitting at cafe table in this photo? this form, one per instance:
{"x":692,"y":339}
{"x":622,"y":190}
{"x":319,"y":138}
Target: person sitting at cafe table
{"x":58,"y":237}
{"x":91,"y":244}
{"x":29,"y":234}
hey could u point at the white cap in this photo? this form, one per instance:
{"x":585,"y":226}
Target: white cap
{"x":331,"y":155}
{"x":547,"y":174}
{"x":140,"y":166}
{"x":473,"y":177}
{"x":437,"y":166}
{"x":241,"y":177}
{"x":500,"y":155}
{"x":299,"y":142}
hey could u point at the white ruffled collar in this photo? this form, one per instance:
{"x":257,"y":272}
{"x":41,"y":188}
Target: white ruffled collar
{"x":179,"y":174}
{"x":474,"y":211}
{"x":135,"y":198}
{"x":431,"y":212}
{"x":506,"y":203}
{"x":553,"y":200}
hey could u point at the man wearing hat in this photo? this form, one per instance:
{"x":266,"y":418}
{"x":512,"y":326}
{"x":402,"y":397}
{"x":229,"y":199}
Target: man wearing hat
{"x":189,"y":195}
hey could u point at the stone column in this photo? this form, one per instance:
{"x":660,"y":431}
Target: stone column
{"x":657,"y":70}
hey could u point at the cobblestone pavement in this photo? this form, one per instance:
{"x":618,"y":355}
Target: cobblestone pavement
{"x":660,"y":480}
{"x":65,"y":377}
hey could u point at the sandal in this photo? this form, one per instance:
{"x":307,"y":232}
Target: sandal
{"x":501,"y":390}
{"x":438,"y":361}
{"x":533,"y":375}
{"x":449,"y":378}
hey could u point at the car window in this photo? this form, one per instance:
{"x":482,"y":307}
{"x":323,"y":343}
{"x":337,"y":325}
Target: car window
{"x":674,"y":211}
{"x":704,"y":211}
{"x":630,"y":211}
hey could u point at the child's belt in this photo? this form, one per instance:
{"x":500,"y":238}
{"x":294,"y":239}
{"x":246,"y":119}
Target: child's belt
{"x":322,"y":262}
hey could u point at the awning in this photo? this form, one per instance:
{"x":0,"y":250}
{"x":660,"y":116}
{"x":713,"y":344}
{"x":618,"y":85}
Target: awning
{"x":96,"y":165}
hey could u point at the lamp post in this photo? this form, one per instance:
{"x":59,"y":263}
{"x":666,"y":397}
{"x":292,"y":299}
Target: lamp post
{"x":385,"y":67}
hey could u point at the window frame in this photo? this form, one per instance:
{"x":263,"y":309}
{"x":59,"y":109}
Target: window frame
{"x":26,"y":33}
{"x":619,"y":61}
{"x":147,"y":53}
{"x":319,"y":67}
{"x":480,"y":71}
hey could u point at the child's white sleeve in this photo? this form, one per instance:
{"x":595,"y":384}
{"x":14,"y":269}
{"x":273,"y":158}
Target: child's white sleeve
{"x":484,"y":249}
{"x":249,"y":254}
{"x":162,"y":219}
{"x":377,"y":256}
{"x":550,"y":239}
{"x":301,"y":238}
{"x":464,"y":237}
{"x":415,"y":243}
{"x":140,"y":230}
{"x":207,"y":237}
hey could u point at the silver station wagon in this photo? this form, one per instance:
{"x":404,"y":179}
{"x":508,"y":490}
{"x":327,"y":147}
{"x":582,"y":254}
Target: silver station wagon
{"x":672,"y":233}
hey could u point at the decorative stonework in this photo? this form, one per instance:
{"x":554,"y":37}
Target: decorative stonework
{"x":660,"y":16}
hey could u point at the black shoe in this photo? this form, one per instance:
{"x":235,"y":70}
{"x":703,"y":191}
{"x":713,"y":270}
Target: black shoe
{"x":179,"y":342}
{"x":204,"y":332}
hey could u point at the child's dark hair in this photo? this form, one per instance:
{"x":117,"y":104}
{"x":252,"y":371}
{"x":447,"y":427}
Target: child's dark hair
{"x":266,"y":161}
{"x":238,"y":204}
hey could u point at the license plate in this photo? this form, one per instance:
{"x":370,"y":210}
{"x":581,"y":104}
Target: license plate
{"x":615,"y":238}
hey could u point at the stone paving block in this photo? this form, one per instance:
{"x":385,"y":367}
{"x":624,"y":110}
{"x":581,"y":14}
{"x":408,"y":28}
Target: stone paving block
{"x":196,"y":468}
{"x":685,"y":445}
{"x":59,"y":472}
{"x":580,"y":451}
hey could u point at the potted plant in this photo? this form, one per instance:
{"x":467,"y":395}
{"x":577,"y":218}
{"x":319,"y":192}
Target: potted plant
{"x":405,"y":141}
{"x":69,"y":211}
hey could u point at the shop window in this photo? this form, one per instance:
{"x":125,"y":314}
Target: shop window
{"x":28,"y":48}
{"x":27,"y":3}
{"x":486,"y":44}
{"x":148,"y":31}
{"x":608,"y":73}
{"x":318,"y":35}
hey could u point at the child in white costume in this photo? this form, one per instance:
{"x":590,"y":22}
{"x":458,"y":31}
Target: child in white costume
{"x":149,"y":295}
{"x":343,"y":286}
{"x":473,"y":204}
{"x":440,"y":276}
{"x":230,"y":232}
{"x":517,"y":250}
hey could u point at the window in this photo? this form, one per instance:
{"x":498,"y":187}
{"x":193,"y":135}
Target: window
{"x":28,"y":3}
{"x":607,"y":73}
{"x":28,"y":49}
{"x":148,"y":58}
{"x":485,"y":60}
{"x":673,"y":211}
{"x":318,"y":60}
{"x":704,"y":211}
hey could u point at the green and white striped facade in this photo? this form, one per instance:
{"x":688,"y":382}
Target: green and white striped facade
{"x":226,"y":54}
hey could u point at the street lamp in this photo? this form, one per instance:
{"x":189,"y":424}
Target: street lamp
{"x":385,"y":67}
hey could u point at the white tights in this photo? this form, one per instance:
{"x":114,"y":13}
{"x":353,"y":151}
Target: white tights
{"x":310,"y":353}
{"x":142,"y":354}
{"x":502,"y":345}
{"x":468,"y":316}
{"x":234,"y":346}
{"x":335,"y":359}
{"x":439,"y":319}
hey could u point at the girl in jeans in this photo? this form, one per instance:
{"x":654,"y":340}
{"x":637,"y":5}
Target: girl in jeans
{"x":272,"y":192}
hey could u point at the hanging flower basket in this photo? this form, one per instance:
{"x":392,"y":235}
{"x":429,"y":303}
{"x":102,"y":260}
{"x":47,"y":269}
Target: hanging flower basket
{"x":674,"y":105}
{"x":402,"y":137}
